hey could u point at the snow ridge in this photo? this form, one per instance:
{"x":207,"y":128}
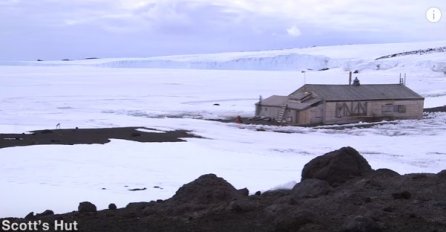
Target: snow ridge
{"x":421,"y":55}
{"x":278,"y":62}
{"x":416,"y":52}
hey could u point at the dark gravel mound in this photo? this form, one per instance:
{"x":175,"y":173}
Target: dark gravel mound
{"x":359,"y":200}
{"x":207,"y":189}
{"x":337,"y":166}
{"x":86,"y":207}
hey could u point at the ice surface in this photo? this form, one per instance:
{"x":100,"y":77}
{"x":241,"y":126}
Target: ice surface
{"x":109,"y":93}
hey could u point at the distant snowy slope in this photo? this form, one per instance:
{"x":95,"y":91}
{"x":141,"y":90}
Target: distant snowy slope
{"x":276,"y":62}
{"x":429,"y":55}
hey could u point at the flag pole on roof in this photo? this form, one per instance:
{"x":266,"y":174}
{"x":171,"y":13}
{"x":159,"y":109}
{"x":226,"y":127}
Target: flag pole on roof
{"x":350,"y":78}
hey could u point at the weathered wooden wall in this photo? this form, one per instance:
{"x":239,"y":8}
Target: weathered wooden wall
{"x":269,"y":111}
{"x":347,"y":112}
{"x":336,"y":112}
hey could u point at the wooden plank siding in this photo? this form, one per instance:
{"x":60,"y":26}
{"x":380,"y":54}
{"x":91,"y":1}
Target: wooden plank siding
{"x":345,"y":112}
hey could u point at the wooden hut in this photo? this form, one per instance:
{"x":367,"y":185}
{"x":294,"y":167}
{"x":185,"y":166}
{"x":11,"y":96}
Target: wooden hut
{"x":339,"y":104}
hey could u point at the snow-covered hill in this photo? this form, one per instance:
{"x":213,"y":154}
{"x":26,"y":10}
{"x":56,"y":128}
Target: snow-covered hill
{"x":426,"y":55}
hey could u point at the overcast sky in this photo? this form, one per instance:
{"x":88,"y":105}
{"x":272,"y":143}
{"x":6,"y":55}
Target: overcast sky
{"x":56,"y":29}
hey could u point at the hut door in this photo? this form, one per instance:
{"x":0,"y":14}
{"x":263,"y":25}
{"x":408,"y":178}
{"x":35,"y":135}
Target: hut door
{"x":316,"y":115}
{"x":296,"y":118}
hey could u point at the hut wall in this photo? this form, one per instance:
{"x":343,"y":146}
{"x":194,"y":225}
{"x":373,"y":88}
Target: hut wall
{"x":348,"y":112}
{"x":354,"y":111}
{"x":399,"y":109}
{"x":310,"y":116}
{"x":291,"y":116}
{"x":269,"y":111}
{"x":304,"y":117}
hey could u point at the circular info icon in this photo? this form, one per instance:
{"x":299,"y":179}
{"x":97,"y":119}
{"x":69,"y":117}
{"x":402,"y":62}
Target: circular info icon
{"x":433,"y":15}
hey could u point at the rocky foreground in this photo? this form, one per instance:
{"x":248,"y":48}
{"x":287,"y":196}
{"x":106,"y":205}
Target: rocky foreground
{"x":339,"y":191}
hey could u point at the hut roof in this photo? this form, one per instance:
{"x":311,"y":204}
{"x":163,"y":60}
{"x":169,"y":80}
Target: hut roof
{"x":290,"y":101}
{"x":359,"y":93}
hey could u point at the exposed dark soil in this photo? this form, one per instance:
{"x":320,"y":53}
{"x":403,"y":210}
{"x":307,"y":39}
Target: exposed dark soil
{"x":435,"y":109}
{"x":339,"y":191}
{"x":91,"y":136}
{"x":414,"y":52}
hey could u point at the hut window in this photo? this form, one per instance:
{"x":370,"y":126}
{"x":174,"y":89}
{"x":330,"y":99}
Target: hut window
{"x":265,"y":108}
{"x":401,"y":108}
{"x":388,"y":108}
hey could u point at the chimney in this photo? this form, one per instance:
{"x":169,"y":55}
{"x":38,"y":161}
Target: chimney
{"x":356,"y":82}
{"x":350,"y":78}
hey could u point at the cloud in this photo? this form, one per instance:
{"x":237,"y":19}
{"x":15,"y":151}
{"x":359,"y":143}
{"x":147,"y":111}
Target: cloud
{"x":346,"y":15}
{"x":157,"y":27}
{"x":294,"y":31}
